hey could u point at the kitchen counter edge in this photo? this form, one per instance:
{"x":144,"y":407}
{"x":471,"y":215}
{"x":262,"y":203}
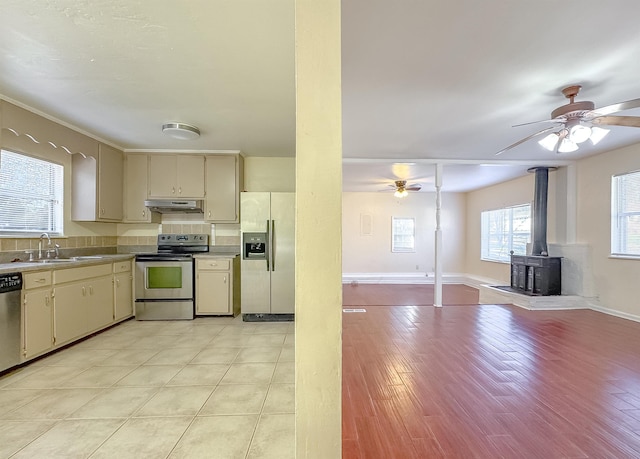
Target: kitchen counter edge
{"x":23,"y":266}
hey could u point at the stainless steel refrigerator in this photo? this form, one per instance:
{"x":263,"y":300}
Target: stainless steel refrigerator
{"x":268,"y":249}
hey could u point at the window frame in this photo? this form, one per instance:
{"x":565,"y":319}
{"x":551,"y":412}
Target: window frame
{"x":399,"y":249}
{"x":485,"y":238}
{"x":619,"y":248}
{"x":57,"y":215}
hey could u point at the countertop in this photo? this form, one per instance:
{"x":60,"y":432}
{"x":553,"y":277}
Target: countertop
{"x":216,"y":255}
{"x":25,"y":266}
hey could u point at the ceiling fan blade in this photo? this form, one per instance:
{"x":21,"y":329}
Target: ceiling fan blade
{"x":629,"y":121}
{"x":553,"y":120}
{"x":526,"y":138}
{"x":627,"y":105}
{"x":414,"y":188}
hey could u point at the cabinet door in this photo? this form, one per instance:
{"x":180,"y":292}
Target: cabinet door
{"x":136,"y":189}
{"x":123,"y":295}
{"x":190,"y":178}
{"x":222,"y":198}
{"x":38,"y":323}
{"x":162,"y":176}
{"x":99,"y":302}
{"x":69,"y":312}
{"x":110,"y":183}
{"x":213,"y":293}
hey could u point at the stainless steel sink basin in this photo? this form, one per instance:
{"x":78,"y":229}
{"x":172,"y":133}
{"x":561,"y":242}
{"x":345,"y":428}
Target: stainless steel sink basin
{"x":67,"y":260}
{"x":53,"y":260}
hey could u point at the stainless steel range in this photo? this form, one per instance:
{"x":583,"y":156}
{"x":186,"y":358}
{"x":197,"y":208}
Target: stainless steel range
{"x":164,"y":280}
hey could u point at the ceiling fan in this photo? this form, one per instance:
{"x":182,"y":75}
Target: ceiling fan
{"x":402,"y":189}
{"x":577,"y":122}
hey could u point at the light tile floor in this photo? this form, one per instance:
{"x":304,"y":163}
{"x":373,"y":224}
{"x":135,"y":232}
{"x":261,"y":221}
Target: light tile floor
{"x":207,"y":388}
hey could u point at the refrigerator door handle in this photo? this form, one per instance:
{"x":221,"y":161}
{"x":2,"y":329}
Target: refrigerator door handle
{"x":273,"y":246}
{"x":268,"y":247}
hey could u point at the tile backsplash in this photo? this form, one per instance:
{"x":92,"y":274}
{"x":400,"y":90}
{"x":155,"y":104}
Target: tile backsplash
{"x":15,"y":248}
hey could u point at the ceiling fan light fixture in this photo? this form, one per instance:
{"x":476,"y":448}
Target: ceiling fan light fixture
{"x":579,"y":133}
{"x":567,"y":146}
{"x":550,"y":141}
{"x":597,"y":134}
{"x":401,"y":193}
{"x":181,"y":131}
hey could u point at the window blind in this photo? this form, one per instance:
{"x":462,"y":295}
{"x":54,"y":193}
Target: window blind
{"x":31,"y":195}
{"x":625,"y":222}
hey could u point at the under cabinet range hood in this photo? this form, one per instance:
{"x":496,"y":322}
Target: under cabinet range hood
{"x":165,"y":206}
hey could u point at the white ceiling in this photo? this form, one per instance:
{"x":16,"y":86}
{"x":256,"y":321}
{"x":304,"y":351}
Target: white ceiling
{"x":422,"y":82}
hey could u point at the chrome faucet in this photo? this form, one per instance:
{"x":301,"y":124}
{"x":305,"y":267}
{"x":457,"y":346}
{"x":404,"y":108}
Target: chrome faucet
{"x":42,"y":236}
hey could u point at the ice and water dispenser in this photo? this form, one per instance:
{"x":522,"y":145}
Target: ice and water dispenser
{"x":254,"y":246}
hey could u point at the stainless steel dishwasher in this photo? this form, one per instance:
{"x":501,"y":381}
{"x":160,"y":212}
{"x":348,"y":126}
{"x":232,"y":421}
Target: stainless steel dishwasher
{"x":10,"y":286}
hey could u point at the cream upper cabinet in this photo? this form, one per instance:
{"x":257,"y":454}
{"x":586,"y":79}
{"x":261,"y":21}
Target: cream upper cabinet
{"x":223,"y":184}
{"x":176,"y":176}
{"x":136,"y":187}
{"x":96,"y":186}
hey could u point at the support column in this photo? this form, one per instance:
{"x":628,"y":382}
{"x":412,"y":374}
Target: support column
{"x":318,"y":254}
{"x":437,"y":288}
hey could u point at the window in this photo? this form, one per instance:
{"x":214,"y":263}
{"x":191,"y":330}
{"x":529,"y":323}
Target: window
{"x":504,"y":230}
{"x":31,"y":194}
{"x":403,"y":234}
{"x":625,"y":214}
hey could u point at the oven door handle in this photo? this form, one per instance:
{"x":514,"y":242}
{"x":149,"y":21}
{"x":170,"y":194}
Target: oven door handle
{"x":155,"y":259}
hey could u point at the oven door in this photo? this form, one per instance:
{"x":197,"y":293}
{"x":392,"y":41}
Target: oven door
{"x":164,"y":279}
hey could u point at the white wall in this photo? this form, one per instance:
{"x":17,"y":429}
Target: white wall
{"x":511,"y":193}
{"x":269,"y":174}
{"x":615,"y":280}
{"x":372,"y":253}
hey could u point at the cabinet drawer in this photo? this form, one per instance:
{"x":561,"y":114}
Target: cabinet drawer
{"x":122,"y":266}
{"x":61,"y":276}
{"x":213,"y":264}
{"x":35,"y":280}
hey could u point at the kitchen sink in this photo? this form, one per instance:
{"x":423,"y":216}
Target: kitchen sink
{"x":53,"y":260}
{"x":67,"y":260}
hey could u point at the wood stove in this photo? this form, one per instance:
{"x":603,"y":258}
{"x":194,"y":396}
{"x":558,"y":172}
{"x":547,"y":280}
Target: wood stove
{"x":538,"y":273}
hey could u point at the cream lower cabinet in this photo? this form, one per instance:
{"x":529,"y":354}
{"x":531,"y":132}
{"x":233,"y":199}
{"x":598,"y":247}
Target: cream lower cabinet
{"x":122,"y":290}
{"x":82,"y":301}
{"x":37,"y":314}
{"x":215,"y":292}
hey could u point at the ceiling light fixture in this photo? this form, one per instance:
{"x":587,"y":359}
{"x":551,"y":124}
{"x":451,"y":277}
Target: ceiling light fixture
{"x":401,"y":193}
{"x":181,"y":131}
{"x":569,"y":139}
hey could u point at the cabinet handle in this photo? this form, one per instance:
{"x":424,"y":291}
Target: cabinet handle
{"x":224,"y":280}
{"x":40,"y":281}
{"x":91,"y":290}
{"x":179,"y":190}
{"x":173,"y":190}
{"x":144,"y":213}
{"x":209,"y":214}
{"x":118,"y":283}
{"x":84,"y":291}
{"x":101,"y":211}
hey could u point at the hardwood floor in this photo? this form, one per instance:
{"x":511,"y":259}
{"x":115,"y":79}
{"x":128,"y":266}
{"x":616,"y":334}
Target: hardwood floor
{"x":487,"y":381}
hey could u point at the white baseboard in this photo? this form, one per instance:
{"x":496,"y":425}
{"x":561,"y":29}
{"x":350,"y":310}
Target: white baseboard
{"x":488,"y":293}
{"x":400,"y":278}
